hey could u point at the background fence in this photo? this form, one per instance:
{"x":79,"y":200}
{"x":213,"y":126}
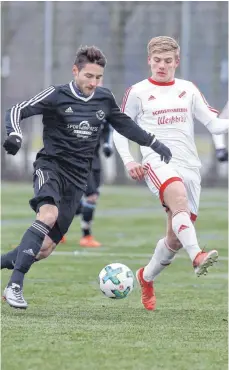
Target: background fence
{"x":39,"y":40}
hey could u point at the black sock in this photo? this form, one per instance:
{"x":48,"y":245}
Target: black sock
{"x":86,"y":232}
{"x":8,"y":259}
{"x":88,"y":210}
{"x":28,"y":249}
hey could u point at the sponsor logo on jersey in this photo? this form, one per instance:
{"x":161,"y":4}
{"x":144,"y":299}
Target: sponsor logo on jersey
{"x":83,"y":129}
{"x":170,"y":120}
{"x":174,"y":110}
{"x":84,"y":125}
{"x":100,"y":114}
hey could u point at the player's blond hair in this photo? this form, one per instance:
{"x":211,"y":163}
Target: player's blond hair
{"x":162,"y":44}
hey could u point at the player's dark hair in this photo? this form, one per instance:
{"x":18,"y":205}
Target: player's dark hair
{"x":89,"y":54}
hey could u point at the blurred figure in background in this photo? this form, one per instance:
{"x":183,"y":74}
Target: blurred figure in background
{"x":88,"y":203}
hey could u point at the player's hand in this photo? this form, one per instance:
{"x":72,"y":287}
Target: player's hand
{"x":107,"y":150}
{"x":135,"y":170}
{"x":222,"y":155}
{"x":12,"y":144}
{"x":162,"y":150}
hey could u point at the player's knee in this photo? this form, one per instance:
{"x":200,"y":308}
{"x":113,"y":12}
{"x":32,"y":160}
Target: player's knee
{"x":48,"y":214}
{"x":47,"y":248}
{"x":173,"y":243}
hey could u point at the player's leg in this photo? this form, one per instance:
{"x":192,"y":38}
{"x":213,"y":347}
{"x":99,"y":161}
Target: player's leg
{"x":163,"y":256}
{"x":88,"y":210}
{"x":164,"y":252}
{"x":47,"y":196}
{"x":166,"y":248}
{"x":77,"y":213}
{"x":48,"y":246}
{"x":8,"y":259}
{"x":180,"y":197}
{"x":67,"y":208}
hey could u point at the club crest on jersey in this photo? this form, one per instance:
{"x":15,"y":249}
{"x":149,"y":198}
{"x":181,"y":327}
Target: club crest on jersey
{"x":100,"y":114}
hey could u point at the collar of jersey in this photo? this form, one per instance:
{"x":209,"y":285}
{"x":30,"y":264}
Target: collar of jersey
{"x":161,"y":83}
{"x":78,"y":96}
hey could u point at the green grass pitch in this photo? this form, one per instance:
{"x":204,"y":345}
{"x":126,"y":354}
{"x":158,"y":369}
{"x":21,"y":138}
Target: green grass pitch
{"x":70,"y":325}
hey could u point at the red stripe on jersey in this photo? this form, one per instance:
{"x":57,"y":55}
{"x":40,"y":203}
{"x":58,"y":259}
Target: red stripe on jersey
{"x":125,"y":99}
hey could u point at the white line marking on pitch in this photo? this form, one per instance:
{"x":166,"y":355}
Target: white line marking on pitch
{"x":129,"y":255}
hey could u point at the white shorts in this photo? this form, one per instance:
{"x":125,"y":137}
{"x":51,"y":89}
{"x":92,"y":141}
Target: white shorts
{"x":160,"y":177}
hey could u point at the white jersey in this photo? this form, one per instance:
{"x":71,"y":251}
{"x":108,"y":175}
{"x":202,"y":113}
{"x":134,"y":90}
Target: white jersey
{"x":167,"y":110}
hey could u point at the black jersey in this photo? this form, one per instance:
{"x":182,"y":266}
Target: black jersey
{"x":72,"y":127}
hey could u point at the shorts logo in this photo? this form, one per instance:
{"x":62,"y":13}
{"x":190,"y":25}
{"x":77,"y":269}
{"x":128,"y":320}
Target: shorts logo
{"x":100,"y":115}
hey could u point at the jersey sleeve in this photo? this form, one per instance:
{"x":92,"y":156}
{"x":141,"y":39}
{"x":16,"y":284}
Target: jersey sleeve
{"x":130,"y":104}
{"x":34,"y":106}
{"x":207,"y":115}
{"x":202,"y":111}
{"x":122,"y":123}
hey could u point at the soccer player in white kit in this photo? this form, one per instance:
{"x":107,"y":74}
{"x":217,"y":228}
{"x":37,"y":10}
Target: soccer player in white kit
{"x":166,"y":106}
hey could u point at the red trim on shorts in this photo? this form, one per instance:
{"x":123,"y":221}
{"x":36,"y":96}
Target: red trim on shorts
{"x":125,"y":99}
{"x":161,"y":187}
{"x":193,"y":217}
{"x":161,"y":83}
{"x":165,"y":184}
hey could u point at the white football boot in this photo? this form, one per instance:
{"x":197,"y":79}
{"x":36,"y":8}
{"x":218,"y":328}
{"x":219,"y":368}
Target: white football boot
{"x":14,"y":296}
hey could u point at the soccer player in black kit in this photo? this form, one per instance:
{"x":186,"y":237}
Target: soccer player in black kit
{"x":72,"y":118}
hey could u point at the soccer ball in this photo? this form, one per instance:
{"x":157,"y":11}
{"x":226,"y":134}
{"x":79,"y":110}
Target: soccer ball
{"x":116,"y":280}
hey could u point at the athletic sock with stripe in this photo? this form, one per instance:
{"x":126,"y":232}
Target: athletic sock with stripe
{"x":28,"y":249}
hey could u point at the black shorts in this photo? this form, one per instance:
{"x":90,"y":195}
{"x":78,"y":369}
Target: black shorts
{"x":50,"y":187}
{"x":93,"y":183}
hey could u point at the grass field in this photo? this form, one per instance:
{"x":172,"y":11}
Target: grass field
{"x":70,"y":325}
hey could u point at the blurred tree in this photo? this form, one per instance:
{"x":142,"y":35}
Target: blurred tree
{"x":119,"y":13}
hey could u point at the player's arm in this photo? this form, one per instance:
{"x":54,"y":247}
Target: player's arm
{"x":216,"y":124}
{"x":125,"y":126}
{"x":129,"y":107}
{"x":208,"y":115}
{"x":106,"y":137}
{"x":34,"y":106}
{"x":219,"y":140}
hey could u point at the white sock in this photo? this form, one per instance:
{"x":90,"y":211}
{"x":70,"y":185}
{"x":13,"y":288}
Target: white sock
{"x":185,"y":232}
{"x":162,"y":257}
